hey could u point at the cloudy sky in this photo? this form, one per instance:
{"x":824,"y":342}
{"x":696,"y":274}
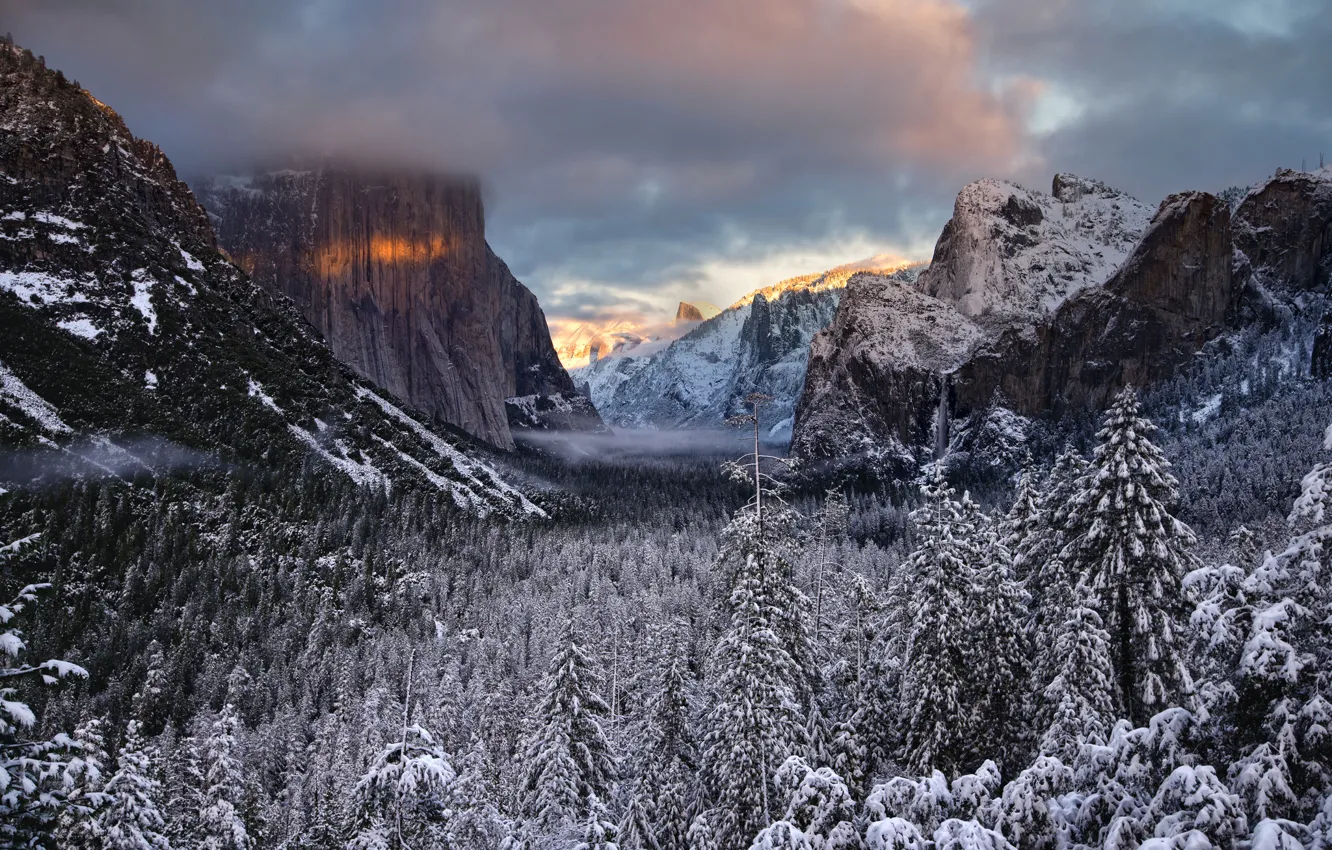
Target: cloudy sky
{"x":640,"y":152}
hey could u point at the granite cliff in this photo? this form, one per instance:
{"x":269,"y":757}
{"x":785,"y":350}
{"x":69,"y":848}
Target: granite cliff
{"x":1033,"y":305}
{"x":394,"y":271}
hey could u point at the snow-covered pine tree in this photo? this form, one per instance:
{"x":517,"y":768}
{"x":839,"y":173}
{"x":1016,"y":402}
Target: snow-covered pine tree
{"x":1023,"y":523}
{"x":1001,"y":653}
{"x":832,"y":522}
{"x":474,"y":820}
{"x":220,"y":825}
{"x":36,"y":776}
{"x":1133,"y":555}
{"x":936,"y":677}
{"x":635,"y":831}
{"x":77,"y":827}
{"x":671,"y":754}
{"x":701,"y":836}
{"x":1081,"y":696}
{"x":755,"y":721}
{"x":131,"y":819}
{"x":819,"y":805}
{"x":1036,"y":553}
{"x":864,"y":676}
{"x":1283,"y":684}
{"x":760,"y":671}
{"x":402,"y":797}
{"x":568,"y":758}
{"x":599,"y":831}
{"x":1045,"y":576}
{"x":765,"y":535}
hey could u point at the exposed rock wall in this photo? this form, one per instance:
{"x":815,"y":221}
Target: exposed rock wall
{"x":1284,"y":229}
{"x":394,"y":271}
{"x":1174,"y":294}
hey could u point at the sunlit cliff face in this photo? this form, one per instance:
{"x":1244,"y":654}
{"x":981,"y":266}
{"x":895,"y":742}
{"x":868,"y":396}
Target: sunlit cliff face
{"x":387,"y":250}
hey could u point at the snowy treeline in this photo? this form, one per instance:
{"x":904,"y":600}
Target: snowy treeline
{"x":1067,"y":672}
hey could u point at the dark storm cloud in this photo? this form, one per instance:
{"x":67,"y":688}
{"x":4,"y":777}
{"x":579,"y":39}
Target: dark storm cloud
{"x":1175,"y":95}
{"x":628,"y":145}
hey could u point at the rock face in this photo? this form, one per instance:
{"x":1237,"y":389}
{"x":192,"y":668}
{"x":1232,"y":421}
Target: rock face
{"x":687,"y":312}
{"x":122,"y":326}
{"x":1010,"y":254}
{"x":1019,"y":314}
{"x":874,"y":380}
{"x":394,"y":271}
{"x":1284,"y":229}
{"x":1175,"y":292}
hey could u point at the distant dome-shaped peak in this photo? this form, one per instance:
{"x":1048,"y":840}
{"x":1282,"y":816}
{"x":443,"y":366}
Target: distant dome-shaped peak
{"x":695,"y":312}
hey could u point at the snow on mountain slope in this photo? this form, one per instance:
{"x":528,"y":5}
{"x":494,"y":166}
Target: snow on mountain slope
{"x":1014,"y":254}
{"x":834,"y":278}
{"x":697,"y":381}
{"x":119,"y":318}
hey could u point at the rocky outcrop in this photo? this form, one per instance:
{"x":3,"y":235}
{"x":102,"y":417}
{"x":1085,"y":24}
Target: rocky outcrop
{"x":1175,"y":293}
{"x":687,"y":312}
{"x":394,"y":271}
{"x":989,"y":326}
{"x":875,"y":376}
{"x":1010,"y":254}
{"x":1284,"y":230}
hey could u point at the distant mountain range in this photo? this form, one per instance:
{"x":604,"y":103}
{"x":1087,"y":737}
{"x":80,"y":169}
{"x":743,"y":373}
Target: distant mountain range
{"x":758,"y":344}
{"x":590,"y":341}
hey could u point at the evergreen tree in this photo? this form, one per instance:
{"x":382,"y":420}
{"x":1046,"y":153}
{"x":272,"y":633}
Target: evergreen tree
{"x":832,"y":527}
{"x":220,"y":824}
{"x":1001,"y":655}
{"x":599,"y":831}
{"x":1283,"y":687}
{"x":1038,"y":561}
{"x":1133,"y":554}
{"x":1081,"y":695}
{"x":36,"y":776}
{"x":402,"y":797}
{"x":755,"y":720}
{"x":701,"y":836}
{"x":475,"y":820}
{"x":672,"y":758}
{"x":935,"y":680}
{"x":1023,"y":525}
{"x":131,"y":819}
{"x":569,"y":760}
{"x":635,"y":832}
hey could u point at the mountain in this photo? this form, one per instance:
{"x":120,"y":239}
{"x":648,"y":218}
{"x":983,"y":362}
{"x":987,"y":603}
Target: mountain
{"x":120,"y":319}
{"x":1041,"y":305}
{"x":759,"y":344}
{"x":394,"y":271}
{"x":688,"y":312}
{"x":1010,"y":255}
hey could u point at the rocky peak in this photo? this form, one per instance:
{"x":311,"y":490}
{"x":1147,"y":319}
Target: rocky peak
{"x":1135,"y":297}
{"x":1284,"y":230}
{"x":1012,"y":254}
{"x":688,"y":312}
